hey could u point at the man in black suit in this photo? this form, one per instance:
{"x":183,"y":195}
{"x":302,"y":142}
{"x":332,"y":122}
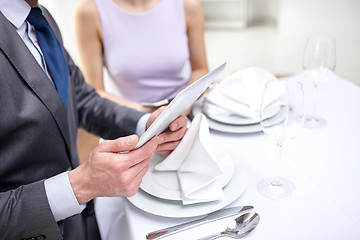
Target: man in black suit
{"x":43,"y":190}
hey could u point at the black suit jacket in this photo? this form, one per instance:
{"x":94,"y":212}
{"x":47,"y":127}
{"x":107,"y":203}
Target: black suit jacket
{"x":38,"y":136}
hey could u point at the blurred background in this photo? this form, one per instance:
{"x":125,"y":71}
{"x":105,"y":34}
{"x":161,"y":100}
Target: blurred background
{"x":269,"y":34}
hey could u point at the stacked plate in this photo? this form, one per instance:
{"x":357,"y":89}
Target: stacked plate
{"x":233,"y":105}
{"x":160,"y":192}
{"x":231,"y":124}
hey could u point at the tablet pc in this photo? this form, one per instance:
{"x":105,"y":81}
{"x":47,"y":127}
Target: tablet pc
{"x":180,"y":104}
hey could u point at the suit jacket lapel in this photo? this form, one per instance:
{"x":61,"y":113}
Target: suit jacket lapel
{"x":29,"y":69}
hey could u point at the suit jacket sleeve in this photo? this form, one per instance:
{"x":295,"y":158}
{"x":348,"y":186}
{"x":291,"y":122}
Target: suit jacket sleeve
{"x":15,"y":220}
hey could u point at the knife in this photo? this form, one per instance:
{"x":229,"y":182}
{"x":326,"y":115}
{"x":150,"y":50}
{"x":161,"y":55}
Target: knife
{"x":220,"y":214}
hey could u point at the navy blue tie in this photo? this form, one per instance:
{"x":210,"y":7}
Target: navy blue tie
{"x":51,"y":50}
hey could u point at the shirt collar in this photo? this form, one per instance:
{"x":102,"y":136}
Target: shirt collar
{"x":16,"y":11}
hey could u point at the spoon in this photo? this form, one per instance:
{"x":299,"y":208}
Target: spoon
{"x":239,"y":227}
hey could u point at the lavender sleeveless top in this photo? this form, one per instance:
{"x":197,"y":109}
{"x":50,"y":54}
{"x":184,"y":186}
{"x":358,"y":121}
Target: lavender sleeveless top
{"x":146,"y":53}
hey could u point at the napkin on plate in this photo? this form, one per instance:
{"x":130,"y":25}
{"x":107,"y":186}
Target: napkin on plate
{"x":239,"y":94}
{"x":197,"y":171}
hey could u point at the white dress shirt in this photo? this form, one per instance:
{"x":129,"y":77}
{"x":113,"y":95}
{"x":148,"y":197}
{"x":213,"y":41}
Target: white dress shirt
{"x":62,"y":200}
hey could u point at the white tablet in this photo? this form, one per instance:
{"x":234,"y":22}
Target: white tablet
{"x":179,"y":105}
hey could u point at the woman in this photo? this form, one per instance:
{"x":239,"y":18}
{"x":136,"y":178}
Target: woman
{"x":146,"y":46}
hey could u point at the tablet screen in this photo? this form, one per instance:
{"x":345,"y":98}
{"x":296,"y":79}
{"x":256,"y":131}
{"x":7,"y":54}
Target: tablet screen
{"x":180,"y":104}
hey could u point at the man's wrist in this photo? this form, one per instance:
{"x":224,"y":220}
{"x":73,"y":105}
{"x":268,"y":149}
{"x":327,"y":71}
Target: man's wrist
{"x":77,"y":182}
{"x":62,"y":200}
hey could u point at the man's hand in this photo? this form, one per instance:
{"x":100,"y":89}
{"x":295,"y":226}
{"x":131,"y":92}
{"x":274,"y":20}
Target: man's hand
{"x":170,"y":138}
{"x":115,"y":168}
{"x":112,"y":169}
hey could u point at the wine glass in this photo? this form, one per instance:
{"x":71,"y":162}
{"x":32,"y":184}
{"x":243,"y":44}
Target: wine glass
{"x":318,"y":60}
{"x":286,"y":97}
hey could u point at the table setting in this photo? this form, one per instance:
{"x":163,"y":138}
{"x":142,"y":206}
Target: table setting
{"x":233,"y":105}
{"x":249,"y":167}
{"x":190,"y":182}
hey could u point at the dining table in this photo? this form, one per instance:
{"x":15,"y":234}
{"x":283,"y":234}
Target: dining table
{"x":323,"y":164}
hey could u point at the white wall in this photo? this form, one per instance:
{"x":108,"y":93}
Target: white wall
{"x":263,"y":10}
{"x":298,"y":19}
{"x":63,"y":12}
{"x":246,"y":12}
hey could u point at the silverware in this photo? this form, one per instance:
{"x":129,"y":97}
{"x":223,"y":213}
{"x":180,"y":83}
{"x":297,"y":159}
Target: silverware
{"x":222,"y":213}
{"x":239,"y":227}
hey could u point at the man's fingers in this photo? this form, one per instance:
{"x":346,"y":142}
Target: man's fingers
{"x":178,"y":123}
{"x":154,"y":115}
{"x":170,"y":136}
{"x":166,"y":148}
{"x":140,"y":169}
{"x":119,"y":145}
{"x":138,"y":155}
{"x":137,"y":172}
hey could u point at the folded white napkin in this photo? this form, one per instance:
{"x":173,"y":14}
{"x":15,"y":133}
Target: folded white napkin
{"x":198,"y":172}
{"x":240,"y":93}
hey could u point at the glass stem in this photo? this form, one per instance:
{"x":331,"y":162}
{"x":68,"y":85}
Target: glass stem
{"x":277,"y":181}
{"x":314,"y":117}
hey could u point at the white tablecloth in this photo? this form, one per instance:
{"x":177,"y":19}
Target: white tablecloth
{"x":324,"y":165}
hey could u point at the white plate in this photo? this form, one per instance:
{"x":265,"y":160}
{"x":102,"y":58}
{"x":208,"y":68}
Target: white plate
{"x":166,"y":184}
{"x":222,"y":127}
{"x":233,"y":119}
{"x":175,"y":209}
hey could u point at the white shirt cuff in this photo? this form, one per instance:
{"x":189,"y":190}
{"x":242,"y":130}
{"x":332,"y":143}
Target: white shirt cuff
{"x":141,"y":125}
{"x":61,"y":197}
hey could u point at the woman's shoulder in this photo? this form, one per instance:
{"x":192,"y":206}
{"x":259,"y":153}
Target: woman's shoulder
{"x":193,"y":12}
{"x":86,"y":8}
{"x":192,"y":7}
{"x":86,"y":14}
